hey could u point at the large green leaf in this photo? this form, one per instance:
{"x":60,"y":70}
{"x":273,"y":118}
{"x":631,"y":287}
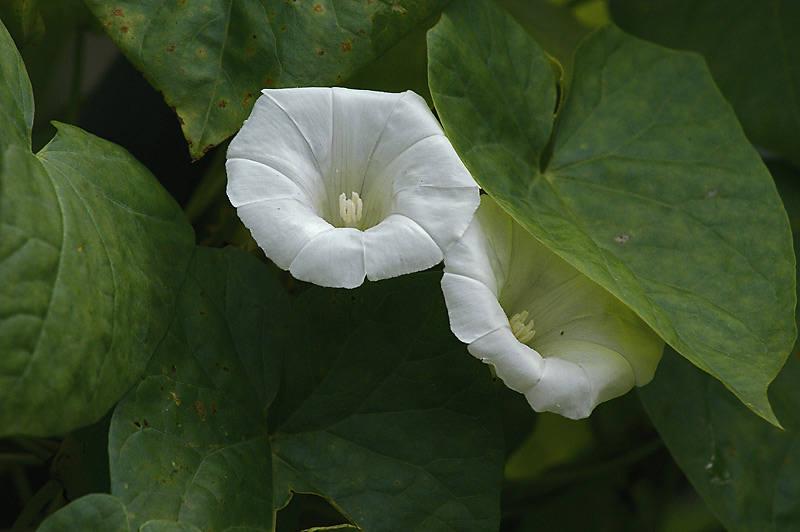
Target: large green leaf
{"x":189,"y":442}
{"x":746,"y":470}
{"x":385,"y":413}
{"x":210,"y":58}
{"x":92,"y":251}
{"x":752,"y":48}
{"x":645,"y":183}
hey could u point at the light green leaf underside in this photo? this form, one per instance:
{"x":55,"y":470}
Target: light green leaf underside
{"x":752,"y":49}
{"x":650,"y":189}
{"x":746,"y":470}
{"x":384,"y":412}
{"x":92,"y":251}
{"x":211,"y":58}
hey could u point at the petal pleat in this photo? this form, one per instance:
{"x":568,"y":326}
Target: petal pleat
{"x":519,"y":366}
{"x":577,"y":378}
{"x":472,"y":307}
{"x":255,"y":181}
{"x":334,"y":258}
{"x":282,"y":227}
{"x":398,"y":246}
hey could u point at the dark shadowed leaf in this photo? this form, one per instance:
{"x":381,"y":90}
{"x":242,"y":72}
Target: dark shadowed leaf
{"x":189,"y":443}
{"x":745,"y":469}
{"x":752,"y":48}
{"x":645,"y":183}
{"x":385,"y":413}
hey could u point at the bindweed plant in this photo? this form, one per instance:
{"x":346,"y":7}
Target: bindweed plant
{"x":425,"y":251}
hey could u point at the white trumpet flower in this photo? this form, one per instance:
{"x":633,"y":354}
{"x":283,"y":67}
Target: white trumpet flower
{"x":586,"y":348}
{"x":338,"y":184}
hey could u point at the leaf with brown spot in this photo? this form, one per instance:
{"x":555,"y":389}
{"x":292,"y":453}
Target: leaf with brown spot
{"x":282,"y":35}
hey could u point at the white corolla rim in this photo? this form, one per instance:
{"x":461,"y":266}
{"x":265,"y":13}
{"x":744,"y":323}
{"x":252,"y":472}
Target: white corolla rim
{"x":337,"y":185}
{"x":549,"y":331}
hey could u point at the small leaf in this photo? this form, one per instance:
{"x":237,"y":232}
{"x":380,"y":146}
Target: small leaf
{"x":92,"y":513}
{"x":385,"y":413}
{"x":189,"y":443}
{"x":646,"y":184}
{"x":752,"y":49}
{"x":211,"y":58}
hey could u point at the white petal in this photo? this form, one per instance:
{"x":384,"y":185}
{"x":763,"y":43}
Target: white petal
{"x":289,"y":129}
{"x":282,"y":227}
{"x":577,"y":378}
{"x":398,"y":246}
{"x":518,"y":365}
{"x":254,"y":181}
{"x":472,"y":307}
{"x":334,"y":258}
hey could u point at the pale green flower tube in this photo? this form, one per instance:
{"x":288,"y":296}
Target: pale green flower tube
{"x":550,"y":332}
{"x":337,"y":184}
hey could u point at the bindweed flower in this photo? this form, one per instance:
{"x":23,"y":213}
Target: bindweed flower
{"x":550,"y":332}
{"x":338,"y":184}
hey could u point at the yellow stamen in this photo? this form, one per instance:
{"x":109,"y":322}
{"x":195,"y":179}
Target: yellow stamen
{"x":350,"y":209}
{"x":522,"y":332}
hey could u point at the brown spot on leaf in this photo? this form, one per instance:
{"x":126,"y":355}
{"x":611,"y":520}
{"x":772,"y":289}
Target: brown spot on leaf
{"x":201,"y":52}
{"x":176,"y":398}
{"x":346,"y":46}
{"x":117,"y":13}
{"x":320,"y":51}
{"x":171,"y":48}
{"x":247,"y":99}
{"x":222,"y":103}
{"x":269,"y":81}
{"x":207,"y":148}
{"x":173,"y":369}
{"x":137,"y":424}
{"x":124,"y":29}
{"x":318,"y":8}
{"x":199,"y":409}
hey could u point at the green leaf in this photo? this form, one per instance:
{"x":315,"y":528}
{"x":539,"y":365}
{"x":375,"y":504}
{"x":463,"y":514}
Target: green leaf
{"x":16,"y":99}
{"x":92,"y":251}
{"x":161,"y":525}
{"x":210,"y":58}
{"x":752,"y":49}
{"x":645,"y":183}
{"x":746,"y":470}
{"x":23,"y":19}
{"x":384,"y":412}
{"x":93,"y":513}
{"x":189,"y":443}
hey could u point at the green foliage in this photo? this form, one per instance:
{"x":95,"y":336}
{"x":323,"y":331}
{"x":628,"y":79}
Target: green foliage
{"x":385,"y":414}
{"x":644,"y":159}
{"x":86,"y":230}
{"x":237,"y":398}
{"x":746,"y":470}
{"x":210,"y":58}
{"x":752,"y":48}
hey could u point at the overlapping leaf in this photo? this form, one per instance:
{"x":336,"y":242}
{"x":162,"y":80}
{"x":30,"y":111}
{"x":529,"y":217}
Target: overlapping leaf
{"x":92,"y":251}
{"x":211,"y":58}
{"x":746,"y":470}
{"x":645,"y":183}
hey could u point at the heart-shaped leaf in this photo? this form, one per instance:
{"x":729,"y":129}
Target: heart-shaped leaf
{"x":645,"y":183}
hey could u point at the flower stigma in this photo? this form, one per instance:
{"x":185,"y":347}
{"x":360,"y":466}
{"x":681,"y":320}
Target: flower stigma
{"x":350,"y":209}
{"x":522,"y":332}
